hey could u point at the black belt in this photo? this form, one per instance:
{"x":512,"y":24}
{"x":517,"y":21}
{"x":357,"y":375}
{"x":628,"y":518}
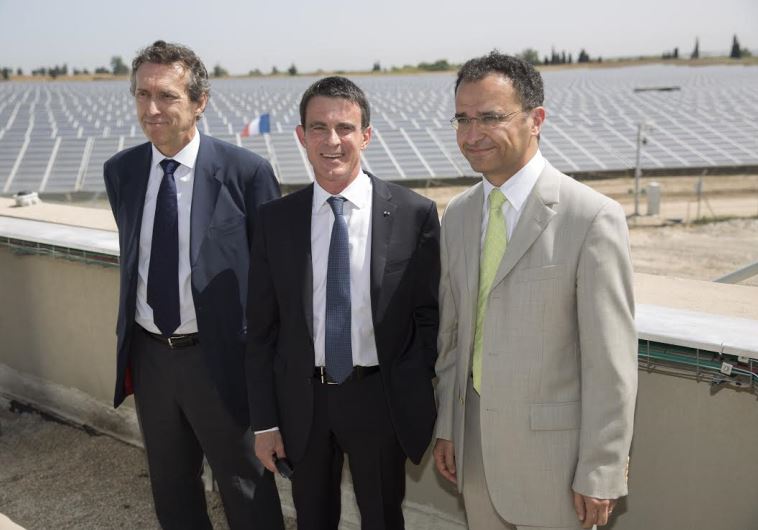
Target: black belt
{"x":175,"y":341}
{"x":359,"y":372}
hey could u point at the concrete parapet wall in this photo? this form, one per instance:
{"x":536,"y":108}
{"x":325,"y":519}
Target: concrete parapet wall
{"x":693,"y":458}
{"x":58,"y":353}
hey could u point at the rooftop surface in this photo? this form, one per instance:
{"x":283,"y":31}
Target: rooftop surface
{"x":55,"y":476}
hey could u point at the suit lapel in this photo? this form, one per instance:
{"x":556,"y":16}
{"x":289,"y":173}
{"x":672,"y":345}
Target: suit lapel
{"x":471,"y":237}
{"x":204,"y":193}
{"x":301,"y":242}
{"x":537,"y":214}
{"x":134,"y":188}
{"x":382,"y":218}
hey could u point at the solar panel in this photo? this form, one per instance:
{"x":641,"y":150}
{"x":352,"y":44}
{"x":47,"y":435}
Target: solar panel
{"x":66,"y":165}
{"x":55,"y":136}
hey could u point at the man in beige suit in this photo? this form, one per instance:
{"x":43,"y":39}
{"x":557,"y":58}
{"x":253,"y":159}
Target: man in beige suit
{"x":537,"y":348}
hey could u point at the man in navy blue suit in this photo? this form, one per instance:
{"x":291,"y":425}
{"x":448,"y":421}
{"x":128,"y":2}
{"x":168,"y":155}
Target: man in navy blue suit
{"x":185,"y":206}
{"x":343,"y":322}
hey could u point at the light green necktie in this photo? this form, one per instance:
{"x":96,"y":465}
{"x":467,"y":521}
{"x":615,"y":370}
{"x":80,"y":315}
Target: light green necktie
{"x":495,"y":242}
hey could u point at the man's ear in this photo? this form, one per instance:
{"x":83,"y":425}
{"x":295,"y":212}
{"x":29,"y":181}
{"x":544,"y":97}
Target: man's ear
{"x":366,"y":137}
{"x":201,"y":103}
{"x":538,"y":119}
{"x":300,"y":132}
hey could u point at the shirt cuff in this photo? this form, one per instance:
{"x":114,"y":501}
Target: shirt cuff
{"x":272,"y":429}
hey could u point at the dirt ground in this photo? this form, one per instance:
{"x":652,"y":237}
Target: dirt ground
{"x":690,"y":238}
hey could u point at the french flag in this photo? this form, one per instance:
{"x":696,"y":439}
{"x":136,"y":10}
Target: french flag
{"x":260,"y":125}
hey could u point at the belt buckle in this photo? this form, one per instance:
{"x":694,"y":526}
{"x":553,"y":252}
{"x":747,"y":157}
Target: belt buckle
{"x":323,"y":376}
{"x":171,"y":342}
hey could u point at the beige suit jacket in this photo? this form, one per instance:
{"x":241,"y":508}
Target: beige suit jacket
{"x":559,"y":361}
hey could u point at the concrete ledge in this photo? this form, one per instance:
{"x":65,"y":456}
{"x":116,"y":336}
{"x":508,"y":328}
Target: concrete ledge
{"x":70,"y":404}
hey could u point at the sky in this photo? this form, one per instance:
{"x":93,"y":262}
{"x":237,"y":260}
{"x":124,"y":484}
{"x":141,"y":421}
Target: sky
{"x":348,"y":35}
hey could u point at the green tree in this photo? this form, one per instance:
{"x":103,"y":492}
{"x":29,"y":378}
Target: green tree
{"x":19,"y":71}
{"x":220,"y":71}
{"x":274,"y":70}
{"x":583,"y":57}
{"x":377,"y":67}
{"x":736,"y":52}
{"x":6,"y":73}
{"x":696,"y":51}
{"x":117,"y":66}
{"x":439,"y":65}
{"x":292,"y":70}
{"x":555,"y":57}
{"x":530,"y":55}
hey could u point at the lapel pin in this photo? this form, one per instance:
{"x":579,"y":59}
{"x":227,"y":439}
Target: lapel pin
{"x":386,"y":213}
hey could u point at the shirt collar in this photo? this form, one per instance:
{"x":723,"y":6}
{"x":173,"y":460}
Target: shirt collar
{"x":517,"y":188}
{"x":186,"y":157}
{"x":357,"y":193}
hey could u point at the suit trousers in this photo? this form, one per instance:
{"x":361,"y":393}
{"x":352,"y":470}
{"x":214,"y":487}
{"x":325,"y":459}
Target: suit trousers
{"x":480,"y":512}
{"x":182,"y":417}
{"x":350,"y":419}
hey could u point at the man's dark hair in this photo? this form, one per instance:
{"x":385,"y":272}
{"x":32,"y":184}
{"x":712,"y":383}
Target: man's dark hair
{"x":337,"y":87}
{"x":527,"y":82}
{"x":161,"y":52}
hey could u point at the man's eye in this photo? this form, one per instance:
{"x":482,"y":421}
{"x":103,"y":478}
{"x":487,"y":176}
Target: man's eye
{"x":344,"y":129}
{"x":464,"y":121}
{"x":489,"y":120}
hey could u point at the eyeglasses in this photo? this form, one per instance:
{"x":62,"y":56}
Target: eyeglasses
{"x":487,"y":120}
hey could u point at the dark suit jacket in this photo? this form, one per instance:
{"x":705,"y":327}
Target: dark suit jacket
{"x":230,"y":184}
{"x":405,"y":270}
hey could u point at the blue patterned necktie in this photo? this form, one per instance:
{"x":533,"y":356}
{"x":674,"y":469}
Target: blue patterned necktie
{"x":339,"y":352}
{"x":163,"y":275}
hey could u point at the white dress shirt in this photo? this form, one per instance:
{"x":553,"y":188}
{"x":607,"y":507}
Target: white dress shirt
{"x":516,"y":190}
{"x":357,"y":210}
{"x":184,"y":176}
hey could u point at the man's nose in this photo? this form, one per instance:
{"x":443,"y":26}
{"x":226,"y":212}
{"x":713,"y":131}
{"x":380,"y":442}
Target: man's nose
{"x":471,"y":133}
{"x":332,"y":137}
{"x":152,"y":107}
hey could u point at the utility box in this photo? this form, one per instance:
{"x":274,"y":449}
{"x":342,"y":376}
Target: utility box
{"x":653,"y":193}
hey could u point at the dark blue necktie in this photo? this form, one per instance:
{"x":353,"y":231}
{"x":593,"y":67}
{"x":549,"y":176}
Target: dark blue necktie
{"x":163,"y":275}
{"x":339,"y":352}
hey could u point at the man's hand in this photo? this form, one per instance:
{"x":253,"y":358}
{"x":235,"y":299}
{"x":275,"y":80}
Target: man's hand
{"x":268,"y":444}
{"x":592,"y":511}
{"x":444,"y":459}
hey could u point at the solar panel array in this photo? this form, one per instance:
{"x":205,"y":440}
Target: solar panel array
{"x":55,"y":136}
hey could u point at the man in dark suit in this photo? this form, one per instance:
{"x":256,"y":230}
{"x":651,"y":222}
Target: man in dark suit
{"x":185,"y":205}
{"x":342,"y":322}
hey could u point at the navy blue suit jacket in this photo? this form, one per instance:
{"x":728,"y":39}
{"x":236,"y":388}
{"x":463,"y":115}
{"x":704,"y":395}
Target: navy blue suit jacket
{"x":405,"y":274}
{"x":230,"y":183}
